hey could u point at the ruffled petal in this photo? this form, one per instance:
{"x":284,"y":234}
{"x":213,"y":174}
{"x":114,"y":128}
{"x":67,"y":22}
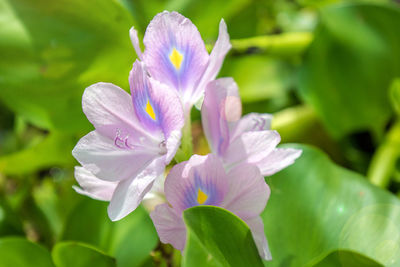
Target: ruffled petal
{"x":256,"y":226}
{"x":217,"y":56}
{"x":251,"y":147}
{"x":277,"y":160}
{"x":92,"y":186}
{"x":169,"y":226}
{"x":221,"y":107}
{"x":158,"y":108}
{"x":251,"y":122}
{"x":110,"y":110}
{"x":129,"y":193}
{"x":105,"y":159}
{"x":200,"y":181}
{"x":248,"y":193}
{"x":175,"y":54}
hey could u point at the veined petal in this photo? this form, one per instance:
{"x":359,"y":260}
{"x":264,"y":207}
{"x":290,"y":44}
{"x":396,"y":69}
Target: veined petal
{"x":92,"y":186}
{"x":106,"y":160}
{"x":200,"y":181}
{"x":256,"y":226}
{"x":175,"y":54}
{"x":217,"y":56}
{"x":129,"y":193}
{"x":135,"y":42}
{"x":251,"y":122}
{"x":110,"y":110}
{"x":251,"y":147}
{"x":169,"y":226}
{"x":277,"y":160}
{"x":157,"y":106}
{"x":248,"y":193}
{"x":221,"y":107}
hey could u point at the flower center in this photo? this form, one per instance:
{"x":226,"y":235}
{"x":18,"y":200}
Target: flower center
{"x":176,"y":58}
{"x":201,"y":197}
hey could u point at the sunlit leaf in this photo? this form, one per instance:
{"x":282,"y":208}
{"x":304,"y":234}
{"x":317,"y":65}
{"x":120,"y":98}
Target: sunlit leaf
{"x":216,"y":237}
{"x":75,"y":254}
{"x":317,"y":207}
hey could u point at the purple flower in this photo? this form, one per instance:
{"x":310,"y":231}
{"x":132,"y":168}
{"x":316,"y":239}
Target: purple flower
{"x":134,"y":139}
{"x":176,"y":55}
{"x":203,"y":181}
{"x":236,"y":140}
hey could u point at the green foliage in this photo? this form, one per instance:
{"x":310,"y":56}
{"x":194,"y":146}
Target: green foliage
{"x":67,"y":254}
{"x":317,"y":207}
{"x":89,"y":223}
{"x":19,"y":252}
{"x":350,"y":65}
{"x":216,"y":237}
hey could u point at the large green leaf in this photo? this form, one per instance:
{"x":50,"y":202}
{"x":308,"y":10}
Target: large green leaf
{"x":317,"y":207}
{"x":348,"y":68}
{"x":52,"y":50}
{"x":67,"y":254}
{"x":346,"y":258}
{"x":19,"y":252}
{"x":217,"y":237}
{"x":129,"y":240}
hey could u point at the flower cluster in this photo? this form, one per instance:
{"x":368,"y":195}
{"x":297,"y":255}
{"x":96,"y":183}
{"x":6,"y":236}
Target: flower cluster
{"x":136,"y":136}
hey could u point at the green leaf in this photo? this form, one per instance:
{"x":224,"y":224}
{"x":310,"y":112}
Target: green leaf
{"x":67,"y":254}
{"x":395,"y":95}
{"x":317,"y":207}
{"x":19,"y":252}
{"x":129,"y":240}
{"x":349,"y":67}
{"x":346,"y":258}
{"x":52,"y":50}
{"x":54,"y":149}
{"x":217,"y":237}
{"x":258,"y":77}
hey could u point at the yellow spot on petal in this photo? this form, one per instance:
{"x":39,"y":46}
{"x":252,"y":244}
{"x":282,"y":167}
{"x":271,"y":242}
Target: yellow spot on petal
{"x":149,"y":109}
{"x":201,"y":197}
{"x":176,"y":58}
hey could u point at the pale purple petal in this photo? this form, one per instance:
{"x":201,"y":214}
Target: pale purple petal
{"x":106,"y":160}
{"x":169,"y":226}
{"x":175,"y":54}
{"x":158,"y":107}
{"x":92,"y":186}
{"x":248,"y":193}
{"x":135,"y":42}
{"x":251,"y":122}
{"x":110,"y":110}
{"x":251,"y":147}
{"x":129,"y":193}
{"x":277,"y":160}
{"x":217,"y":56}
{"x":221,"y":106}
{"x":205,"y":173}
{"x":256,"y":226}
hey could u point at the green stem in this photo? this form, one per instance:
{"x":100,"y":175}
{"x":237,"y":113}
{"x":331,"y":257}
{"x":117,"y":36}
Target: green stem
{"x":186,"y":149}
{"x":286,"y":44}
{"x":383,"y":162}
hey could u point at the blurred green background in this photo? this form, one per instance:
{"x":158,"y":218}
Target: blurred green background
{"x":328,"y":70}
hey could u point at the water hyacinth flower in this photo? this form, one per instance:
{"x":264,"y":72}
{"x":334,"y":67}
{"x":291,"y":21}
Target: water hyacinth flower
{"x":235,"y":139}
{"x":203,"y":181}
{"x":175,"y":55}
{"x":135,"y":137}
